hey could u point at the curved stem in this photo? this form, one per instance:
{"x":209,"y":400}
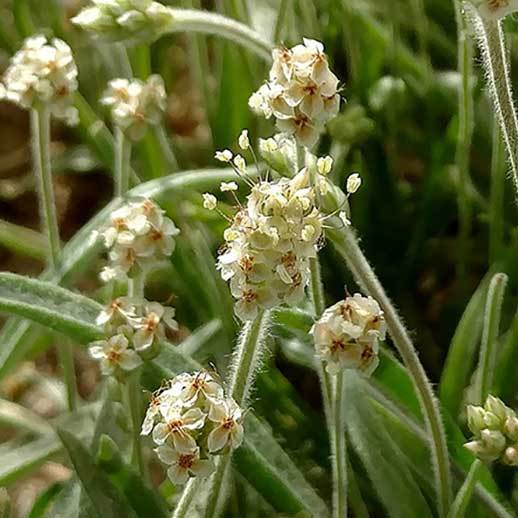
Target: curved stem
{"x":339,"y":449}
{"x":192,"y":20}
{"x":491,"y":41}
{"x":492,"y":313}
{"x":347,"y":246}
{"x":460,"y":504}
{"x":122,"y":162}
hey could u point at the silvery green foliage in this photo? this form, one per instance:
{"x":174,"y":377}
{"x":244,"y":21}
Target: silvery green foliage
{"x":136,"y":105}
{"x":135,"y":329}
{"x":43,"y":72}
{"x":192,"y":421}
{"x":269,"y":242}
{"x":495,"y":432}
{"x":495,"y":9}
{"x":124,"y":19}
{"x":347,"y":334}
{"x":138,"y":236}
{"x":302,"y":92}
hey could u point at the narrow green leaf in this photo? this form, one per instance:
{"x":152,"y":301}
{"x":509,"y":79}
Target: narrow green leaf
{"x":49,"y":305}
{"x":45,"y":500}
{"x":12,"y":414}
{"x":142,"y":499}
{"x":22,"y":240}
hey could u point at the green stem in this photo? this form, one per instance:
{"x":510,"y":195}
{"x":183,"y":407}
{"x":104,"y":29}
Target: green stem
{"x":40,"y":129}
{"x":347,"y":246}
{"x":122,"y":163}
{"x":465,"y":66}
{"x":191,"y":488}
{"x":133,"y":400}
{"x":339,"y":450}
{"x":490,"y":332}
{"x":491,"y":41}
{"x":191,"y":20}
{"x":496,"y":198}
{"x":461,"y":502}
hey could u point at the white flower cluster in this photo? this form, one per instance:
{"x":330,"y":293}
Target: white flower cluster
{"x":139,"y":235}
{"x":191,"y":421}
{"x":495,"y":430}
{"x":269,"y":243}
{"x":302,"y":92}
{"x":43,"y":72}
{"x":347,"y":334}
{"x":495,"y":9}
{"x":124,"y":19}
{"x":136,"y":105}
{"x":134,"y":330}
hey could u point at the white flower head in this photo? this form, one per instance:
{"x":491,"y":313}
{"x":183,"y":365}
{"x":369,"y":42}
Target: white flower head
{"x":243,"y":140}
{"x":224,"y":156}
{"x":43,"y":72}
{"x":114,"y":354}
{"x":227,"y":187}
{"x":209,"y":201}
{"x":136,"y":105}
{"x":184,"y":465}
{"x":151,"y":326}
{"x":324,"y":165}
{"x":347,"y":334}
{"x":495,"y":9}
{"x":354,"y":182}
{"x":302,"y":92}
{"x":228,"y":432}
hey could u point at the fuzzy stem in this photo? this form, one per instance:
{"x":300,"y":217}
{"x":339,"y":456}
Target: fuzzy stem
{"x":339,"y":449}
{"x":491,"y":41}
{"x":488,"y":349}
{"x":461,"y":502}
{"x":496,"y":199}
{"x":122,"y":163}
{"x":190,"y":490}
{"x":465,"y":66}
{"x":245,"y":362}
{"x":133,"y":396}
{"x":192,"y":20}
{"x":347,"y":246}
{"x":40,"y":129}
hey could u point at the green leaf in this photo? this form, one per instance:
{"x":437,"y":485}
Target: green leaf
{"x":23,"y":241}
{"x":142,"y":499}
{"x":17,"y":416}
{"x":49,"y":305}
{"x":45,"y":500}
{"x":71,"y":502}
{"x":381,"y":457}
{"x":105,"y":498}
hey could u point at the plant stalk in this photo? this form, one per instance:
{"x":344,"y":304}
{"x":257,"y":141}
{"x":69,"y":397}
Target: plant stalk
{"x":40,"y":129}
{"x":496,"y":197}
{"x":347,"y":246}
{"x":122,"y":163}
{"x":339,"y":449}
{"x":461,"y":502}
{"x":133,"y":400}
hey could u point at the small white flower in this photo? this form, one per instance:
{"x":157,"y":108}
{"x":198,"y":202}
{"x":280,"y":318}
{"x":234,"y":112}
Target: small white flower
{"x":240,"y":164}
{"x":230,"y":186}
{"x":345,"y":220}
{"x":116,"y":312}
{"x":224,"y":156}
{"x":495,"y":9}
{"x":115,"y":353}
{"x":190,"y":387}
{"x":353,"y":183}
{"x":183,"y":465}
{"x":151,"y":326}
{"x":243,"y":140}
{"x":324,"y":165}
{"x":229,"y":430}
{"x":209,"y":201}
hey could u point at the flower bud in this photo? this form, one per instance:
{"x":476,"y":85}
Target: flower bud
{"x":511,"y":428}
{"x":476,"y":419}
{"x":280,"y":154}
{"x":510,"y":456}
{"x":498,"y":411}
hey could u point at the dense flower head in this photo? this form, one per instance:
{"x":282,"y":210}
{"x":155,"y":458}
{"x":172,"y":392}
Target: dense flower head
{"x":138,"y":236}
{"x":191,"y":421}
{"x":495,"y":432}
{"x":269,"y":243}
{"x":43,"y":72}
{"x":134,"y":330}
{"x":347,"y":334}
{"x":301,"y":93}
{"x":124,"y":19}
{"x":136,"y":105}
{"x":495,"y":9}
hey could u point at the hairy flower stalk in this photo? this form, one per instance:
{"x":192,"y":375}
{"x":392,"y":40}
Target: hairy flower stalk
{"x":42,"y":77}
{"x":491,"y":41}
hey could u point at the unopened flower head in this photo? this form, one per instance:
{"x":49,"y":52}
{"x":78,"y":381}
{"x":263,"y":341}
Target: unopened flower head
{"x":192,"y":421}
{"x":495,"y":431}
{"x":43,"y":73}
{"x":136,"y":105}
{"x":302,"y":92}
{"x":138,"y":236}
{"x":354,"y":182}
{"x":495,"y":9}
{"x":347,"y":334}
{"x":135,"y":329}
{"x":124,"y":19}
{"x":269,"y":243}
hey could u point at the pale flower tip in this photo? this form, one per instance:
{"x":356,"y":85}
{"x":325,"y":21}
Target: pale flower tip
{"x":353,"y":183}
{"x":324,"y":165}
{"x":345,"y":220}
{"x":228,"y":186}
{"x":243,"y":140}
{"x":209,"y":201}
{"x":240,"y":163}
{"x":224,"y":156}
